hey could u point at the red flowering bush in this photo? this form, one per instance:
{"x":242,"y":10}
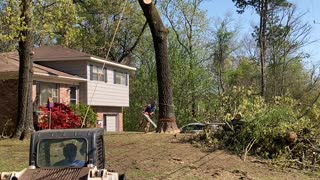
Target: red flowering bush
{"x":62,"y":117}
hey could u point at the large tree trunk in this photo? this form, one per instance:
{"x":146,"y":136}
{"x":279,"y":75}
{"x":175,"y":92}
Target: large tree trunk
{"x":167,"y":122}
{"x":25,"y":119}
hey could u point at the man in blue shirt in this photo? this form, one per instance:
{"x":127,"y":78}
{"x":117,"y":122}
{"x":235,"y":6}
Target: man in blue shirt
{"x":148,"y":112}
{"x":70,"y":153}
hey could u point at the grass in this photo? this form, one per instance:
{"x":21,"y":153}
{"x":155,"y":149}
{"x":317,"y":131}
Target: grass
{"x":14,"y":155}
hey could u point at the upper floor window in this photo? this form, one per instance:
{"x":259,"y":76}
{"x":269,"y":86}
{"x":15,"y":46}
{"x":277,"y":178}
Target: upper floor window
{"x":120,"y":78}
{"x":97,"y":73}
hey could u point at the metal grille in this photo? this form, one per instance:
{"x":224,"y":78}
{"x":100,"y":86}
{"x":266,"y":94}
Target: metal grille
{"x":100,"y":154}
{"x":53,"y":174}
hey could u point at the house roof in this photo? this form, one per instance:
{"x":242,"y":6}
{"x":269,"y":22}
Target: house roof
{"x":59,"y":53}
{"x":9,"y":64}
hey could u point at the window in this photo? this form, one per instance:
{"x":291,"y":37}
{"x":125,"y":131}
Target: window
{"x":73,"y":95}
{"x":97,"y":74}
{"x":120,"y":78}
{"x":62,"y":153}
{"x":46,"y":90}
{"x":55,"y":94}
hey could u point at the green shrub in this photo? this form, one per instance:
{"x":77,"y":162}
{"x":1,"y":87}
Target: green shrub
{"x":270,"y":130}
{"x":81,"y":110}
{"x":280,"y":129}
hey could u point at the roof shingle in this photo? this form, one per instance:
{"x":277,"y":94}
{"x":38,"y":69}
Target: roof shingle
{"x":57,"y":52}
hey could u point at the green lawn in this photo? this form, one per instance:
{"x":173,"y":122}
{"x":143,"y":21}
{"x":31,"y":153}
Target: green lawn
{"x":14,"y":155}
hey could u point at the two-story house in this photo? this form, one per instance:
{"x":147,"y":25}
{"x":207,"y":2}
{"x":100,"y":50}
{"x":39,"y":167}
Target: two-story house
{"x":70,"y":76}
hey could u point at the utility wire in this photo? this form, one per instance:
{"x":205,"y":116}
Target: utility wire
{"x":104,"y":64}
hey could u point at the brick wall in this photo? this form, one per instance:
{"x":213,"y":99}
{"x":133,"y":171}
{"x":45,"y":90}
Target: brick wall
{"x":120,"y":125}
{"x":8,"y":105}
{"x":34,"y":91}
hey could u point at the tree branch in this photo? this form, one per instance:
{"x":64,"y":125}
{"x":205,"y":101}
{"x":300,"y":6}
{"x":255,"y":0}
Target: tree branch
{"x":125,"y":54}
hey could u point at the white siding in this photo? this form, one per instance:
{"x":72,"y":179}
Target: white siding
{"x":107,"y":93}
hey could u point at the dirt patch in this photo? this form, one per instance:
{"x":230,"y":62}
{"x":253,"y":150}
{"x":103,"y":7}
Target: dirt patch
{"x":162,"y":156}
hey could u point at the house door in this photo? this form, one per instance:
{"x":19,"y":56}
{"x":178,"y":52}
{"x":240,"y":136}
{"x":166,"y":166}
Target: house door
{"x":110,"y":123}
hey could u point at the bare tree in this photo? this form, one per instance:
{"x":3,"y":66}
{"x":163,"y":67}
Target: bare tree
{"x":167,"y":121}
{"x":286,"y":38}
{"x":262,"y":8}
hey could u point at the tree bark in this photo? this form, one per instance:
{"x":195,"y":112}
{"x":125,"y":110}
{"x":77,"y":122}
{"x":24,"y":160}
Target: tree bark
{"x":24,"y":114}
{"x":262,"y":44}
{"x":167,"y":122}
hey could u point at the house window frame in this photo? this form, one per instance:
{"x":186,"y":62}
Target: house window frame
{"x":123,"y":77}
{"x":75,"y":100}
{"x":55,"y":92}
{"x":97,"y":73}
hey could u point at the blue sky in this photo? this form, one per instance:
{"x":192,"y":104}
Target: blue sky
{"x":221,"y":8}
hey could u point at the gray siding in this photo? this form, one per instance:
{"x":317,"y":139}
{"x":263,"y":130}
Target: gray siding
{"x":107,"y":93}
{"x":74,"y":67}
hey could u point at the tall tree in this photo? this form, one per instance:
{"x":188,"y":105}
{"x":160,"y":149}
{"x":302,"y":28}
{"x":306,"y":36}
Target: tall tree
{"x":287,"y":35}
{"x":222,"y":50}
{"x":167,"y":121}
{"x":262,"y":7}
{"x":190,"y":27}
{"x":9,"y":23}
{"x":55,"y":22}
{"x":25,"y":119}
{"x":97,"y":24}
